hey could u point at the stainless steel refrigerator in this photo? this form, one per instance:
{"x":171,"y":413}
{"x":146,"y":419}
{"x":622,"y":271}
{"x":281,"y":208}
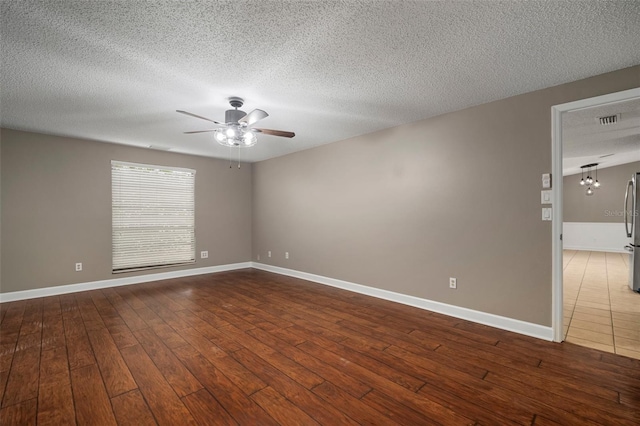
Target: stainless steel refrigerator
{"x":631,"y":225}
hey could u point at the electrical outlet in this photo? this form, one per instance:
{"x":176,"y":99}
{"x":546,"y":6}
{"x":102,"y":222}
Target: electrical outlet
{"x":453,"y":283}
{"x":204,"y":254}
{"x":286,"y":254}
{"x":269,"y":253}
{"x":78,"y":267}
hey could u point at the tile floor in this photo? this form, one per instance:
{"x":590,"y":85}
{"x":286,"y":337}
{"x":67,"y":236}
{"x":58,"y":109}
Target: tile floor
{"x":600,"y":310}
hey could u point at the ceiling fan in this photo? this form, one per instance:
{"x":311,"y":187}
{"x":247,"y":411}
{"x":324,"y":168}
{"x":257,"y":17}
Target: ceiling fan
{"x":236,"y":129}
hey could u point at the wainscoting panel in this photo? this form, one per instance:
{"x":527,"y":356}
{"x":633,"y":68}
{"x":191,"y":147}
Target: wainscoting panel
{"x":592,"y":236}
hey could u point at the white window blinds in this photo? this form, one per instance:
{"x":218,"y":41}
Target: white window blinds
{"x":153,"y":221}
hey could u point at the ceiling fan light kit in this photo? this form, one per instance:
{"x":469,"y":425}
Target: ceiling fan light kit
{"x":235,"y":136}
{"x":236,"y":131}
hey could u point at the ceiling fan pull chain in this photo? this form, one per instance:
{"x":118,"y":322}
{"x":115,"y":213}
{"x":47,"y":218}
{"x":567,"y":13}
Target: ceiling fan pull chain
{"x":238,"y":157}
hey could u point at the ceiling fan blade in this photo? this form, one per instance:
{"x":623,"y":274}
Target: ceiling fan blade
{"x":197,"y":116}
{"x":200,"y":131}
{"x":276,"y":132}
{"x":253,"y":117}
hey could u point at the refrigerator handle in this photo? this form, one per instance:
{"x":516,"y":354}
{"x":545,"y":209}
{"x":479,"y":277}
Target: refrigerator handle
{"x":626,"y":213}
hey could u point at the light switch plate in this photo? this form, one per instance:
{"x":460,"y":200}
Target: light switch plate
{"x":546,"y":180}
{"x":546,"y":213}
{"x":545,"y":197}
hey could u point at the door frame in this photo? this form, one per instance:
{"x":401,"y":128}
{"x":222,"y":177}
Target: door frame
{"x":556,"y":169}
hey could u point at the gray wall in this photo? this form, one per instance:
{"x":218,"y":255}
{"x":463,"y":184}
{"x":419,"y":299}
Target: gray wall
{"x":406,"y":208}
{"x":606,"y":204}
{"x":401,"y":209}
{"x":0,"y":212}
{"x":56,"y":208}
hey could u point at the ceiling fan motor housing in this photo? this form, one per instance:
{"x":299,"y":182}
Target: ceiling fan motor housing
{"x":233,"y":115}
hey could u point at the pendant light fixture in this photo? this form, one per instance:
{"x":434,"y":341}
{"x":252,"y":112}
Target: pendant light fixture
{"x":596,"y":184}
{"x":589,"y":178}
{"x":589,"y":181}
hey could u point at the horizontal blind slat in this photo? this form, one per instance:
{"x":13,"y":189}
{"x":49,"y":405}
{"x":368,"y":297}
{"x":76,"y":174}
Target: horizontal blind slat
{"x":153,"y":216}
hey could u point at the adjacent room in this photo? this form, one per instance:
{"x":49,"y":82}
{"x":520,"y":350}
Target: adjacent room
{"x":600,"y":157}
{"x":318,"y":212}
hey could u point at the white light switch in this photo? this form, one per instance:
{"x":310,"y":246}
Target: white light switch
{"x":545,"y":197}
{"x":546,"y":213}
{"x":546,"y":180}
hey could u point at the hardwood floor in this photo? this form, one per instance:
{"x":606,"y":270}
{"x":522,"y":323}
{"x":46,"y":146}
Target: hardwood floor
{"x":250,"y":347}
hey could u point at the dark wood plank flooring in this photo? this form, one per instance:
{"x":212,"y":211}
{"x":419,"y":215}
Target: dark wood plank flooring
{"x":253,"y":348}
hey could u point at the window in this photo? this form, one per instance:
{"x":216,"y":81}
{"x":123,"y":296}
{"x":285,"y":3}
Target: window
{"x":153,"y":221}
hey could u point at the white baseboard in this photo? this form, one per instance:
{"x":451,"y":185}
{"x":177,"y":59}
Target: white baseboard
{"x":504,"y":323}
{"x":594,"y":236}
{"x":116,"y":282}
{"x":587,"y":248}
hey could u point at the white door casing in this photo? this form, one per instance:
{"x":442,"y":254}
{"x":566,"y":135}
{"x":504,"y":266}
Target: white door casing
{"x":556,"y":170}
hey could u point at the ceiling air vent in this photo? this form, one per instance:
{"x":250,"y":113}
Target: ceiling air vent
{"x":609,"y":119}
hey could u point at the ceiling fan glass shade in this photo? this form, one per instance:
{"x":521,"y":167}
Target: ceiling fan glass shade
{"x":589,"y":191}
{"x":235,"y":137}
{"x":249,"y":138}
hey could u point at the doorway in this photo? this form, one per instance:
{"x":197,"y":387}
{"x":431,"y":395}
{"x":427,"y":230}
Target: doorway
{"x":558,"y":113}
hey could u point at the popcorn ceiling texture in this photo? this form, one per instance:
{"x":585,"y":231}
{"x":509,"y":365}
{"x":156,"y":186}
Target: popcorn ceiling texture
{"x":116,"y":71}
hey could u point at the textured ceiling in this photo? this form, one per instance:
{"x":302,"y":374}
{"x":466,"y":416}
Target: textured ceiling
{"x":116,"y":71}
{"x":586,"y":141}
